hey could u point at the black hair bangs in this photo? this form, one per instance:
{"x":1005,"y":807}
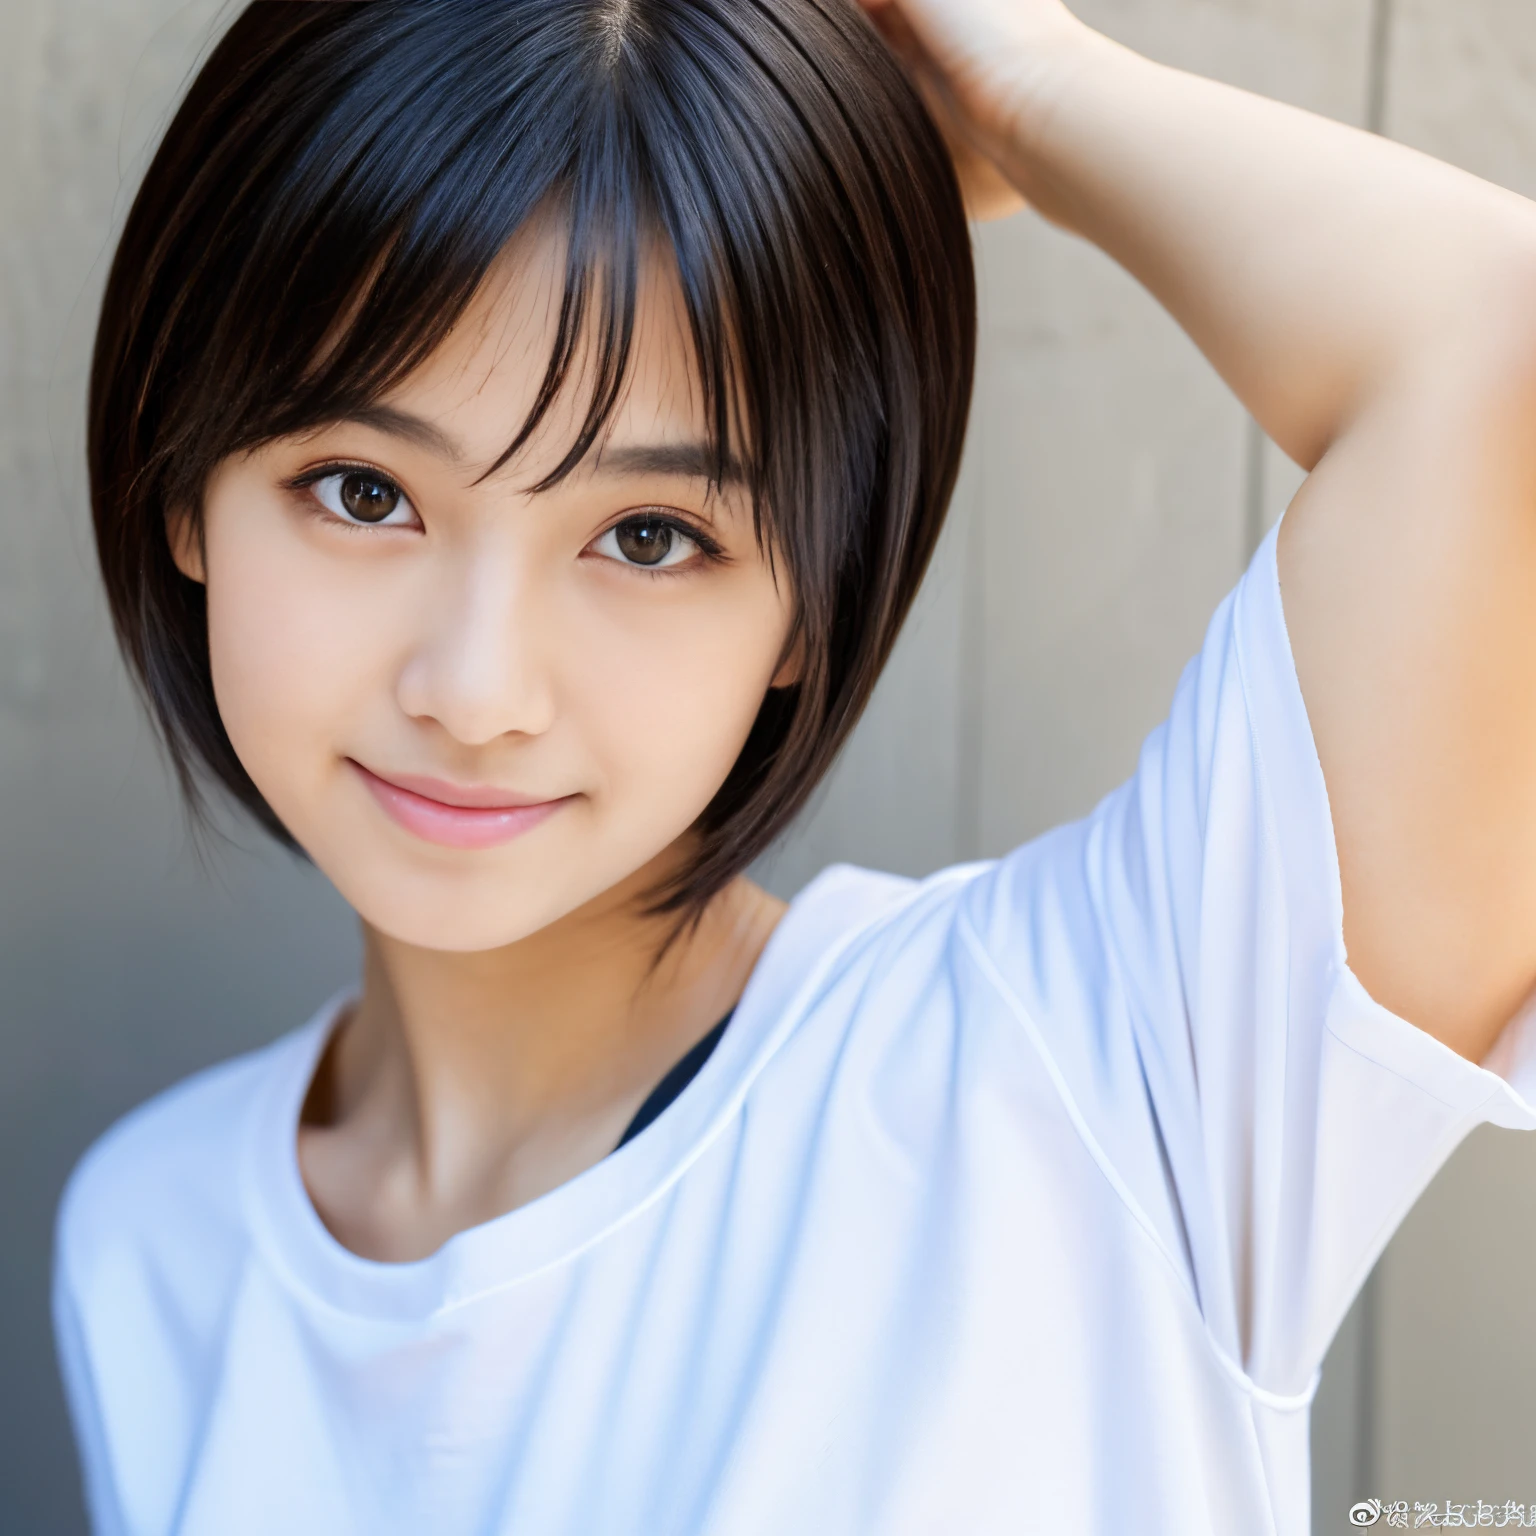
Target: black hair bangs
{"x":342,"y":180}
{"x":399,"y":176}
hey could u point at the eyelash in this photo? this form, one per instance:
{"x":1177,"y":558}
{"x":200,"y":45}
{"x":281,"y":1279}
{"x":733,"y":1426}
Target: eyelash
{"x":709,"y":548}
{"x":312,"y":477}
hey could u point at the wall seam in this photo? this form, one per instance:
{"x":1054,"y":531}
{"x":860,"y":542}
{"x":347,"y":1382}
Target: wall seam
{"x":1377,"y":60}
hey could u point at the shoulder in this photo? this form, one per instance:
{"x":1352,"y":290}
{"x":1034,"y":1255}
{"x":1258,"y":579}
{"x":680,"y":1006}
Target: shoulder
{"x":168,"y":1172}
{"x":855,"y":934}
{"x":847,"y":897}
{"x":849,"y":912}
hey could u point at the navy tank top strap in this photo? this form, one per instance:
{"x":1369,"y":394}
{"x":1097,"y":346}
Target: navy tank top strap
{"x":674,"y":1082}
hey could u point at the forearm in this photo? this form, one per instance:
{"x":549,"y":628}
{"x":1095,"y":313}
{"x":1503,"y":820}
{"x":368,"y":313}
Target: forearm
{"x":1314,"y":264}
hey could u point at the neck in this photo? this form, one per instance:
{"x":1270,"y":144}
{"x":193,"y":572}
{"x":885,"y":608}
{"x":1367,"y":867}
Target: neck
{"x":464,"y":1084}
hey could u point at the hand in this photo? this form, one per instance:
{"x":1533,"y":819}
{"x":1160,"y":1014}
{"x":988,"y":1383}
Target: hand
{"x":977,"y":63}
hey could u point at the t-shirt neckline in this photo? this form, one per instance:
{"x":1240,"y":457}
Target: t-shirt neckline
{"x":555,"y":1227}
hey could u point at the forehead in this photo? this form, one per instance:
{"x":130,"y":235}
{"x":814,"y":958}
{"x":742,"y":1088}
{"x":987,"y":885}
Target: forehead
{"x":482,"y":382}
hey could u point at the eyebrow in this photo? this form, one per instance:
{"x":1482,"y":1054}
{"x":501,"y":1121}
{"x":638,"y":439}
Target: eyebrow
{"x":394,"y":422}
{"x":691,"y":461}
{"x":688,"y":461}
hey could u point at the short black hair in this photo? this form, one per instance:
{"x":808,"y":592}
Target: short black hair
{"x":338,"y":183}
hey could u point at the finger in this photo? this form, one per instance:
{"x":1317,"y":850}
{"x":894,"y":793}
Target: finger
{"x":988,"y":194}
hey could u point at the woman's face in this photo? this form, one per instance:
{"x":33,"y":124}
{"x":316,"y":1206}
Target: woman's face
{"x":477,"y":709}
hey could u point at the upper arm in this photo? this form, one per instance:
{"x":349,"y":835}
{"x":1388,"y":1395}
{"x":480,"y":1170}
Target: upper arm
{"x":1408,"y":568}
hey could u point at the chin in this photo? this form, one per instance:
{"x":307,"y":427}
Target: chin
{"x":462,"y":921}
{"x":469,"y":909}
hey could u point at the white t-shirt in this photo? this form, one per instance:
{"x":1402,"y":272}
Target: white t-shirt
{"x":1025,"y":1198}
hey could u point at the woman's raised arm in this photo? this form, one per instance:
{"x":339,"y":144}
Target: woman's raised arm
{"x":1376,"y":311}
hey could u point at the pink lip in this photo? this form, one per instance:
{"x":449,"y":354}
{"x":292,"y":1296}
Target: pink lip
{"x":456,"y":815}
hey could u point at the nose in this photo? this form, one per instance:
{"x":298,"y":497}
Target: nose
{"x":479,"y":670}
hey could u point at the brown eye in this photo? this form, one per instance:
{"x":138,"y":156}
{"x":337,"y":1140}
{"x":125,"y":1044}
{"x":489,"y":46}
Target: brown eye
{"x":645,"y":541}
{"x":648,"y":542}
{"x":367,"y":497}
{"x":363,"y":498}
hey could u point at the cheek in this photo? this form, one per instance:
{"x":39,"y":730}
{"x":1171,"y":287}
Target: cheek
{"x":670,"y":702}
{"x":294,"y":648}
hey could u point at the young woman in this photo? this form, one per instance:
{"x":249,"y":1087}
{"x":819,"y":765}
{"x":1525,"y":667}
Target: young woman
{"x":517,"y":432}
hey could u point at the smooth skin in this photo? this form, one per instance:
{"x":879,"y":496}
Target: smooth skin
{"x":1376,"y":311}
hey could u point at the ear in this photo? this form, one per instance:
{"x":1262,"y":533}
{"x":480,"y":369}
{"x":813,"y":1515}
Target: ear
{"x":185,"y":536}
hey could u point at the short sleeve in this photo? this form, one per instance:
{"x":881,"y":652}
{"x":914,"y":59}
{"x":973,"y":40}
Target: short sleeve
{"x":1179,"y":956}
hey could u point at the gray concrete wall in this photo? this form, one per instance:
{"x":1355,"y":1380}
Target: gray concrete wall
{"x":1112,"y":492}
